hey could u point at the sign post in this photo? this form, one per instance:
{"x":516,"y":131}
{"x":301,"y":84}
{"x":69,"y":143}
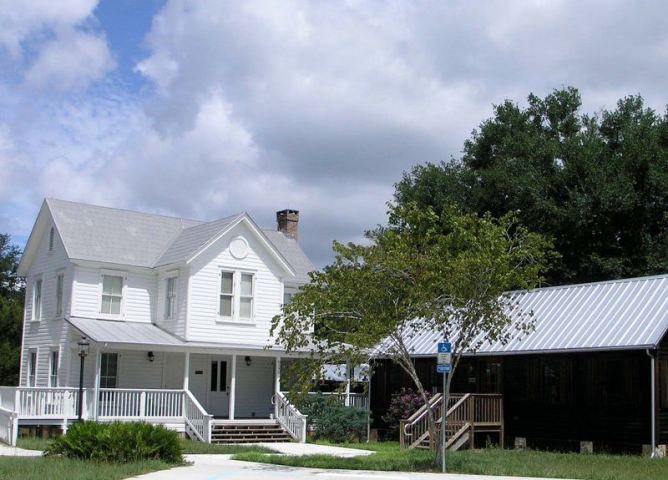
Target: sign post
{"x":445,"y":367}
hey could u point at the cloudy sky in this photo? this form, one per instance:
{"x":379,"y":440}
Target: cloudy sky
{"x":202,"y":109}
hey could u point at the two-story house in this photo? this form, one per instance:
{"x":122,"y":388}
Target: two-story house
{"x":176,"y":312}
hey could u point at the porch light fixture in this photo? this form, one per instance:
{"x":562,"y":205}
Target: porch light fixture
{"x":83,"y":345}
{"x":151,"y":357}
{"x":248,"y":361}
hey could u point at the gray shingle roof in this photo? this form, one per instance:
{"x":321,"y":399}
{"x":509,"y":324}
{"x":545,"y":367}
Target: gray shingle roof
{"x":123,"y":237}
{"x":621,"y":314}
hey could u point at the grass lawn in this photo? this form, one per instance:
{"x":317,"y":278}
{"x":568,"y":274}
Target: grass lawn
{"x":22,"y":468}
{"x":492,"y":461}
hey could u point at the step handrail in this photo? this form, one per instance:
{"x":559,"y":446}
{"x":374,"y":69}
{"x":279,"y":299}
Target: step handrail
{"x":291,"y":419}
{"x":196,"y":417}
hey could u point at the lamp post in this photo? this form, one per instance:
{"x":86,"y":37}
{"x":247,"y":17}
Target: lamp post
{"x":83,"y":352}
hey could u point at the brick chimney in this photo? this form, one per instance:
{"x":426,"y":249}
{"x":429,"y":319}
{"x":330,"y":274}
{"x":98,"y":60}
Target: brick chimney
{"x":288,"y":222}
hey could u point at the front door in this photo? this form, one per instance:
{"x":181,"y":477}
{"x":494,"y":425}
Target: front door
{"x":219,"y":387}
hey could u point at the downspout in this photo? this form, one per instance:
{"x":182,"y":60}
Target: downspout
{"x":653,"y":402}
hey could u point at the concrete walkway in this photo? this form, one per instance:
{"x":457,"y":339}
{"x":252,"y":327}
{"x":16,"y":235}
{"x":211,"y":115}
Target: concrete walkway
{"x":221,"y":467}
{"x":7,"y":451}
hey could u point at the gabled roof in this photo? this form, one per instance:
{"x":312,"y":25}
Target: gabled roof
{"x":126,"y":238}
{"x":613,"y":315}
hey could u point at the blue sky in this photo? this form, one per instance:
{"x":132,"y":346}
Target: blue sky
{"x":207,"y":108}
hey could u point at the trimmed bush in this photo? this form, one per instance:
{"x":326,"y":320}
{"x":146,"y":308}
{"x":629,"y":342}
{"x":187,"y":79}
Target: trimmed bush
{"x":118,"y":442}
{"x":330,"y":420}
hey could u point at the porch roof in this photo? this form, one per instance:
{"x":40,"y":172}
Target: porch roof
{"x":628,"y":314}
{"x":124,"y":334}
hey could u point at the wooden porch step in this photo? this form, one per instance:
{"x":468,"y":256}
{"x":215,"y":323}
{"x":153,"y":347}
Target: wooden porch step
{"x":249,"y":433}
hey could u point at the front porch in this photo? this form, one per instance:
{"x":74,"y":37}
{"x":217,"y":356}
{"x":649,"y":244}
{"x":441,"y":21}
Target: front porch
{"x":176,"y":409}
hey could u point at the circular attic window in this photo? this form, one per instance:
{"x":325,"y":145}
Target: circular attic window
{"x":239,"y":247}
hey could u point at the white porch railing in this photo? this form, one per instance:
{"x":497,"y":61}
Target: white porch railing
{"x":291,"y":419}
{"x":196,"y":418}
{"x":9,"y":426}
{"x":359,"y":400}
{"x":125,"y":403}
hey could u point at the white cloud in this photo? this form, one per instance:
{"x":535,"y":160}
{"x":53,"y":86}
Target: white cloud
{"x":73,"y":60}
{"x":319,"y":106}
{"x":21,"y":20}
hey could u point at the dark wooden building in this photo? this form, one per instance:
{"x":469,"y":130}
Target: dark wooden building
{"x":595,"y":369}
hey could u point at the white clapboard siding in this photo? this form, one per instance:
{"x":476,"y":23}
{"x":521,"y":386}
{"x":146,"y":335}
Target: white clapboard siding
{"x":50,"y":331}
{"x":136,"y":371}
{"x":204,"y":324}
{"x":176,"y":325}
{"x":138,"y":293}
{"x":254,"y":387}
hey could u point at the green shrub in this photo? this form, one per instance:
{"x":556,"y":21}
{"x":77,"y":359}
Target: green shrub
{"x":331,"y":420}
{"x":118,"y":442}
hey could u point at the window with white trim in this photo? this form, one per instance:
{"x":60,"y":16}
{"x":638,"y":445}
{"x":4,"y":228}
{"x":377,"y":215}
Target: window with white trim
{"x":171,"y":296}
{"x":60,"y":293}
{"x":53,"y":368}
{"x":32,"y":368}
{"x":112,"y":294}
{"x":236,"y":295}
{"x":37,"y":300}
{"x":109,"y":370}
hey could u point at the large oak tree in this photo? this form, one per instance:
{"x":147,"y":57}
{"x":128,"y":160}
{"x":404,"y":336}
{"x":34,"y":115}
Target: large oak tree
{"x":597,"y":184}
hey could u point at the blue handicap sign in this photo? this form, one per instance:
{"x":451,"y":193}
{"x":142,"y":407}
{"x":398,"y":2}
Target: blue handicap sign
{"x":444,"y":368}
{"x":444,"y":347}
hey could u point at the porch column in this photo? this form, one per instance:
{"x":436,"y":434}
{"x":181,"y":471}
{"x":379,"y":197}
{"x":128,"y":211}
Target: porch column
{"x":277,"y":376}
{"x":233,"y":387}
{"x":347,"y":401}
{"x":98,"y":369}
{"x":186,"y":372}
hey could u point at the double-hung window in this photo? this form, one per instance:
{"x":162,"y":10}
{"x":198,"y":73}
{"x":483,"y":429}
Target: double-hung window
{"x":108,"y":370}
{"x":37,"y":300}
{"x":53,"y":369}
{"x":171,"y":297}
{"x":60,"y":293}
{"x":112,"y":294}
{"x":236,"y":295}
{"x":32,"y":368}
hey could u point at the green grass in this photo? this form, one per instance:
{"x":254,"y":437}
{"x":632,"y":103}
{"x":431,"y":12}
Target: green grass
{"x":189,"y":447}
{"x":22,"y":468}
{"x":491,"y":461}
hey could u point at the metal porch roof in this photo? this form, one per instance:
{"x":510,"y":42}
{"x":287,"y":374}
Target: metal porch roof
{"x":613,"y":315}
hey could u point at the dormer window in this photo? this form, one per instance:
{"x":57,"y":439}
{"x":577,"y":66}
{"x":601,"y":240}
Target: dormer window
{"x":236,"y":295}
{"x":112,"y":294}
{"x":171,"y":297}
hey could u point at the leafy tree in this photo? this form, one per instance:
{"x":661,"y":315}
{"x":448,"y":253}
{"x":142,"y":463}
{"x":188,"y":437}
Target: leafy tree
{"x":424,"y":272}
{"x":598,"y":185}
{"x":12,"y":293}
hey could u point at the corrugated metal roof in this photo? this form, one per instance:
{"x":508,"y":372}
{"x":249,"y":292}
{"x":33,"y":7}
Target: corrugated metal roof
{"x":120,"y":334}
{"x":620,"y":314}
{"x":192,"y":239}
{"x":123,"y":237}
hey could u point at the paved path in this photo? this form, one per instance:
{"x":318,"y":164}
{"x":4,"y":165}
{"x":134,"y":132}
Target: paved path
{"x":221,"y":467}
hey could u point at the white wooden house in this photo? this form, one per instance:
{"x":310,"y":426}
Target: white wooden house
{"x":177,"y":313}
